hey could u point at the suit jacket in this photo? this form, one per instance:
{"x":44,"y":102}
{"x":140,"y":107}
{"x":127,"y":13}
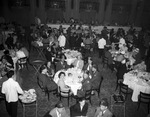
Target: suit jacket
{"x":46,"y":82}
{"x":86,"y":68}
{"x":75,"y":110}
{"x":109,"y":56}
{"x":60,"y":66}
{"x":96,"y":78}
{"x":107,"y":113}
{"x":53,"y":113}
{"x":86,"y":84}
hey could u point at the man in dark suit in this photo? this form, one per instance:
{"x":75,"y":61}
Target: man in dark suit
{"x":96,"y":77}
{"x":62,"y":64}
{"x":79,"y":109}
{"x":103,"y":110}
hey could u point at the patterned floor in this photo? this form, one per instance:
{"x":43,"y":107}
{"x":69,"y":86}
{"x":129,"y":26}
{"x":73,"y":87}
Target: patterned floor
{"x":108,"y":87}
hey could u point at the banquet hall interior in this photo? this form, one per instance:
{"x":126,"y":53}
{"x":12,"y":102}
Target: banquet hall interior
{"x":50,"y":43}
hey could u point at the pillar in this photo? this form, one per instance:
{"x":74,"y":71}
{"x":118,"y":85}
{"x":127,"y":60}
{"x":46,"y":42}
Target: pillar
{"x":76,"y":9}
{"x":133,"y":12}
{"x":6,"y":10}
{"x":42,"y":14}
{"x":32,"y":11}
{"x":67,"y":12}
{"x":107,"y":17}
{"x":138,"y":20}
{"x":100,"y":15}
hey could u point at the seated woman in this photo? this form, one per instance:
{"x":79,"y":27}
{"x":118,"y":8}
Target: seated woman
{"x":79,"y":109}
{"x":58,"y":111}
{"x":45,"y":81}
{"x":61,"y":83}
{"x":86,"y":85}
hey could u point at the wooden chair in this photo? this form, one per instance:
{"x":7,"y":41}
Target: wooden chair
{"x":99,"y":88}
{"x":105,"y":62}
{"x":118,"y":102}
{"x":88,"y":95}
{"x":46,"y":90}
{"x":118,"y":80}
{"x":123,"y":90}
{"x":63,"y":94}
{"x":144,"y":98}
{"x":23,"y":62}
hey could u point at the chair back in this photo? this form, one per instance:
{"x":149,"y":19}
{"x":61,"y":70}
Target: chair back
{"x":63,"y":93}
{"x":88,"y":94}
{"x":22,"y":60}
{"x":2,"y":96}
{"x":105,"y":60}
{"x":101,"y":82}
{"x":144,"y":97}
{"x":123,"y":88}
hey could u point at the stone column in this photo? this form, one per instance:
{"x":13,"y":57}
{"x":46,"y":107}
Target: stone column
{"x":133,"y":12}
{"x":32,"y":11}
{"x":6,"y":10}
{"x":76,"y":9}
{"x":100,"y":15}
{"x":108,"y":12}
{"x":140,"y":8}
{"x":67,"y":12}
{"x":42,"y":14}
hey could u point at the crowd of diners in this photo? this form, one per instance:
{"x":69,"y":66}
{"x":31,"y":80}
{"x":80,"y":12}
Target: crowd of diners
{"x":77,"y":38}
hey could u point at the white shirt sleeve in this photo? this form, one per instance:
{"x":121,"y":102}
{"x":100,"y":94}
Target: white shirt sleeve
{"x":19,"y":90}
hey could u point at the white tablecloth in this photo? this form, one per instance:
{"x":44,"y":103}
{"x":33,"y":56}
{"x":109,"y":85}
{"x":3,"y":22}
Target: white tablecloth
{"x":71,"y":55}
{"x":137,"y":85}
{"x":74,"y":82}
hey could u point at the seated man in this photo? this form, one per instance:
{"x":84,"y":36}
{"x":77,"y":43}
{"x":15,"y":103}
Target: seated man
{"x":62,"y":64}
{"x":79,"y":109}
{"x":86,"y":85}
{"x":59,"y":111}
{"x":45,"y":81}
{"x":103,"y":110}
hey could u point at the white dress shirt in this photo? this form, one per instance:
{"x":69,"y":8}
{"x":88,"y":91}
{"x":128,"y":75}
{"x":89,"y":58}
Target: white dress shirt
{"x":101,"y":43}
{"x":62,"y":40}
{"x":11,"y":88}
{"x":20,"y":54}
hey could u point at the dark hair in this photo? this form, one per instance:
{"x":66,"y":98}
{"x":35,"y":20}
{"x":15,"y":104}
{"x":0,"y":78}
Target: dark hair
{"x":61,"y":74}
{"x":6,"y":52}
{"x":10,"y":74}
{"x":95,"y":66}
{"x":42,"y":68}
{"x":104,"y":102}
{"x":87,"y":72}
{"x":62,"y":55}
{"x":59,"y":105}
{"x":81,"y":99}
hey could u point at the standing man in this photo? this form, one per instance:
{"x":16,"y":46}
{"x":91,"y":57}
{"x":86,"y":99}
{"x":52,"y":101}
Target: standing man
{"x":11,"y":88}
{"x":101,"y":46}
{"x":62,"y":40}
